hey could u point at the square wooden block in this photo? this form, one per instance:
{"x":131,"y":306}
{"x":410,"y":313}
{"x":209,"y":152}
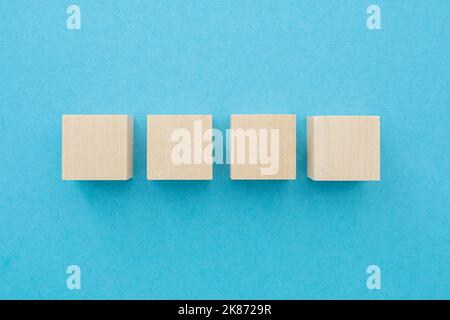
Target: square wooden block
{"x":343,"y":148}
{"x":97,"y":147}
{"x":179,"y":147}
{"x":262,"y":147}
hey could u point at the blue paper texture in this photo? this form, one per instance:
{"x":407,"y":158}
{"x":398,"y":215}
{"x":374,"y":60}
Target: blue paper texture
{"x":225,"y":239}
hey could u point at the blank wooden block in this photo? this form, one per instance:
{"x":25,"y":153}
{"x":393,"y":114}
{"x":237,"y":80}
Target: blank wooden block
{"x":163,"y":142}
{"x":97,"y":147}
{"x":269,"y":138}
{"x":343,"y":148}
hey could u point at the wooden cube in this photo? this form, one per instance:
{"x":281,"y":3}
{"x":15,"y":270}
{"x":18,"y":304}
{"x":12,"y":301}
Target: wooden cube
{"x":262,"y":147}
{"x":97,"y":147}
{"x":343,"y":148}
{"x":179,"y":147}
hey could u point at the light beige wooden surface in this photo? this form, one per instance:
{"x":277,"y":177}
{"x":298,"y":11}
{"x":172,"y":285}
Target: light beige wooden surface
{"x":343,"y":148}
{"x":160,"y":145}
{"x":286,"y":126}
{"x":97,"y":147}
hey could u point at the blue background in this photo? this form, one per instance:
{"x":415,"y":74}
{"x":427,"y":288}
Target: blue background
{"x":225,"y":239}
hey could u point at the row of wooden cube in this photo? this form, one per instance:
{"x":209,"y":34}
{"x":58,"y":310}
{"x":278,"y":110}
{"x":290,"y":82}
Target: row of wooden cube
{"x":339,"y":148}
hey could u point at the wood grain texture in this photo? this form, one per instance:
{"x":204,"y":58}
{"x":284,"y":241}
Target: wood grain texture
{"x":286,"y":157}
{"x":343,"y":148}
{"x":160,"y":165}
{"x":97,"y":147}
